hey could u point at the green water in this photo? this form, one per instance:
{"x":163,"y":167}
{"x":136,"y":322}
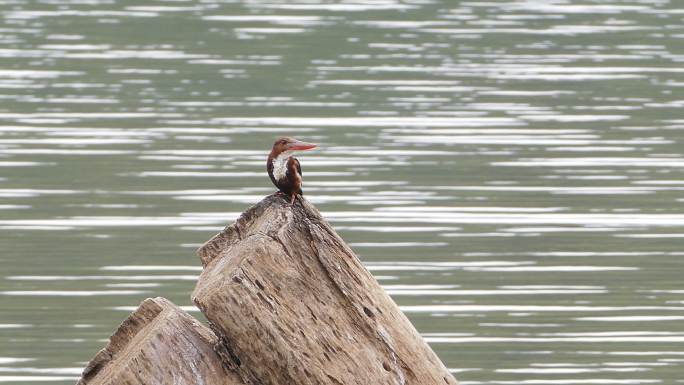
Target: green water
{"x":511,"y":172}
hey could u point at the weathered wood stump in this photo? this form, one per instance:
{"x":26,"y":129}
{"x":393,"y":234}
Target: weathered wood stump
{"x":159,"y":344}
{"x":292,"y":304}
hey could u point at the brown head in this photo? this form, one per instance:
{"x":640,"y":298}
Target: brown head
{"x":286,"y":144}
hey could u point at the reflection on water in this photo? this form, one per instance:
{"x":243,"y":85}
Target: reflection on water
{"x":511,"y":172}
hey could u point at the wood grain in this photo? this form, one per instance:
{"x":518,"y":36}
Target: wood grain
{"x":159,"y":344}
{"x":292,"y":304}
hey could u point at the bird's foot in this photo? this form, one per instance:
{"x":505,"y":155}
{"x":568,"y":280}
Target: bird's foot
{"x":292,"y":200}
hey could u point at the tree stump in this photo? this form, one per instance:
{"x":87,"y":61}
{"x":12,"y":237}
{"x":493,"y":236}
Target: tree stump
{"x":292,"y":304}
{"x":159,"y":344}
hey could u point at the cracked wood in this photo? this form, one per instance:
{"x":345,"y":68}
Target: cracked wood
{"x":292,"y":304}
{"x":159,"y":344}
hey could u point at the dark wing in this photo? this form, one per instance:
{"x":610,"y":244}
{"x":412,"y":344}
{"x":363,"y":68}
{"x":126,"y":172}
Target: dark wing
{"x":299,"y":166}
{"x":295,"y":167}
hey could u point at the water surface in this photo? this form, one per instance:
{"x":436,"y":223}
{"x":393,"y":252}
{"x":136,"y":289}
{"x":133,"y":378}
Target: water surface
{"x":511,"y":172}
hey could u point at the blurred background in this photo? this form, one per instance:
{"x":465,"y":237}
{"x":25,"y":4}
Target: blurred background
{"x":511,"y":171}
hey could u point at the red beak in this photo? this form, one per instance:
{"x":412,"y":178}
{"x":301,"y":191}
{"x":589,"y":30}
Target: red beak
{"x":300,"y":146}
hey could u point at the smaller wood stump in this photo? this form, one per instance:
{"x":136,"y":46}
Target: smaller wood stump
{"x":159,"y":344}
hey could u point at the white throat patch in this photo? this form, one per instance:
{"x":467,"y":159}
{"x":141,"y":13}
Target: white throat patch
{"x":280,"y":165}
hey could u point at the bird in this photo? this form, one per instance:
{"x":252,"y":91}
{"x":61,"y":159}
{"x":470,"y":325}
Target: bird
{"x":284,"y":169}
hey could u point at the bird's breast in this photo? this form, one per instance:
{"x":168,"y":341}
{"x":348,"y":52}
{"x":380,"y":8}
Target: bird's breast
{"x":280,"y":166}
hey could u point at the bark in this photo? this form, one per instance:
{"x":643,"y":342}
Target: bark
{"x":292,"y":304}
{"x":159,"y":344}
